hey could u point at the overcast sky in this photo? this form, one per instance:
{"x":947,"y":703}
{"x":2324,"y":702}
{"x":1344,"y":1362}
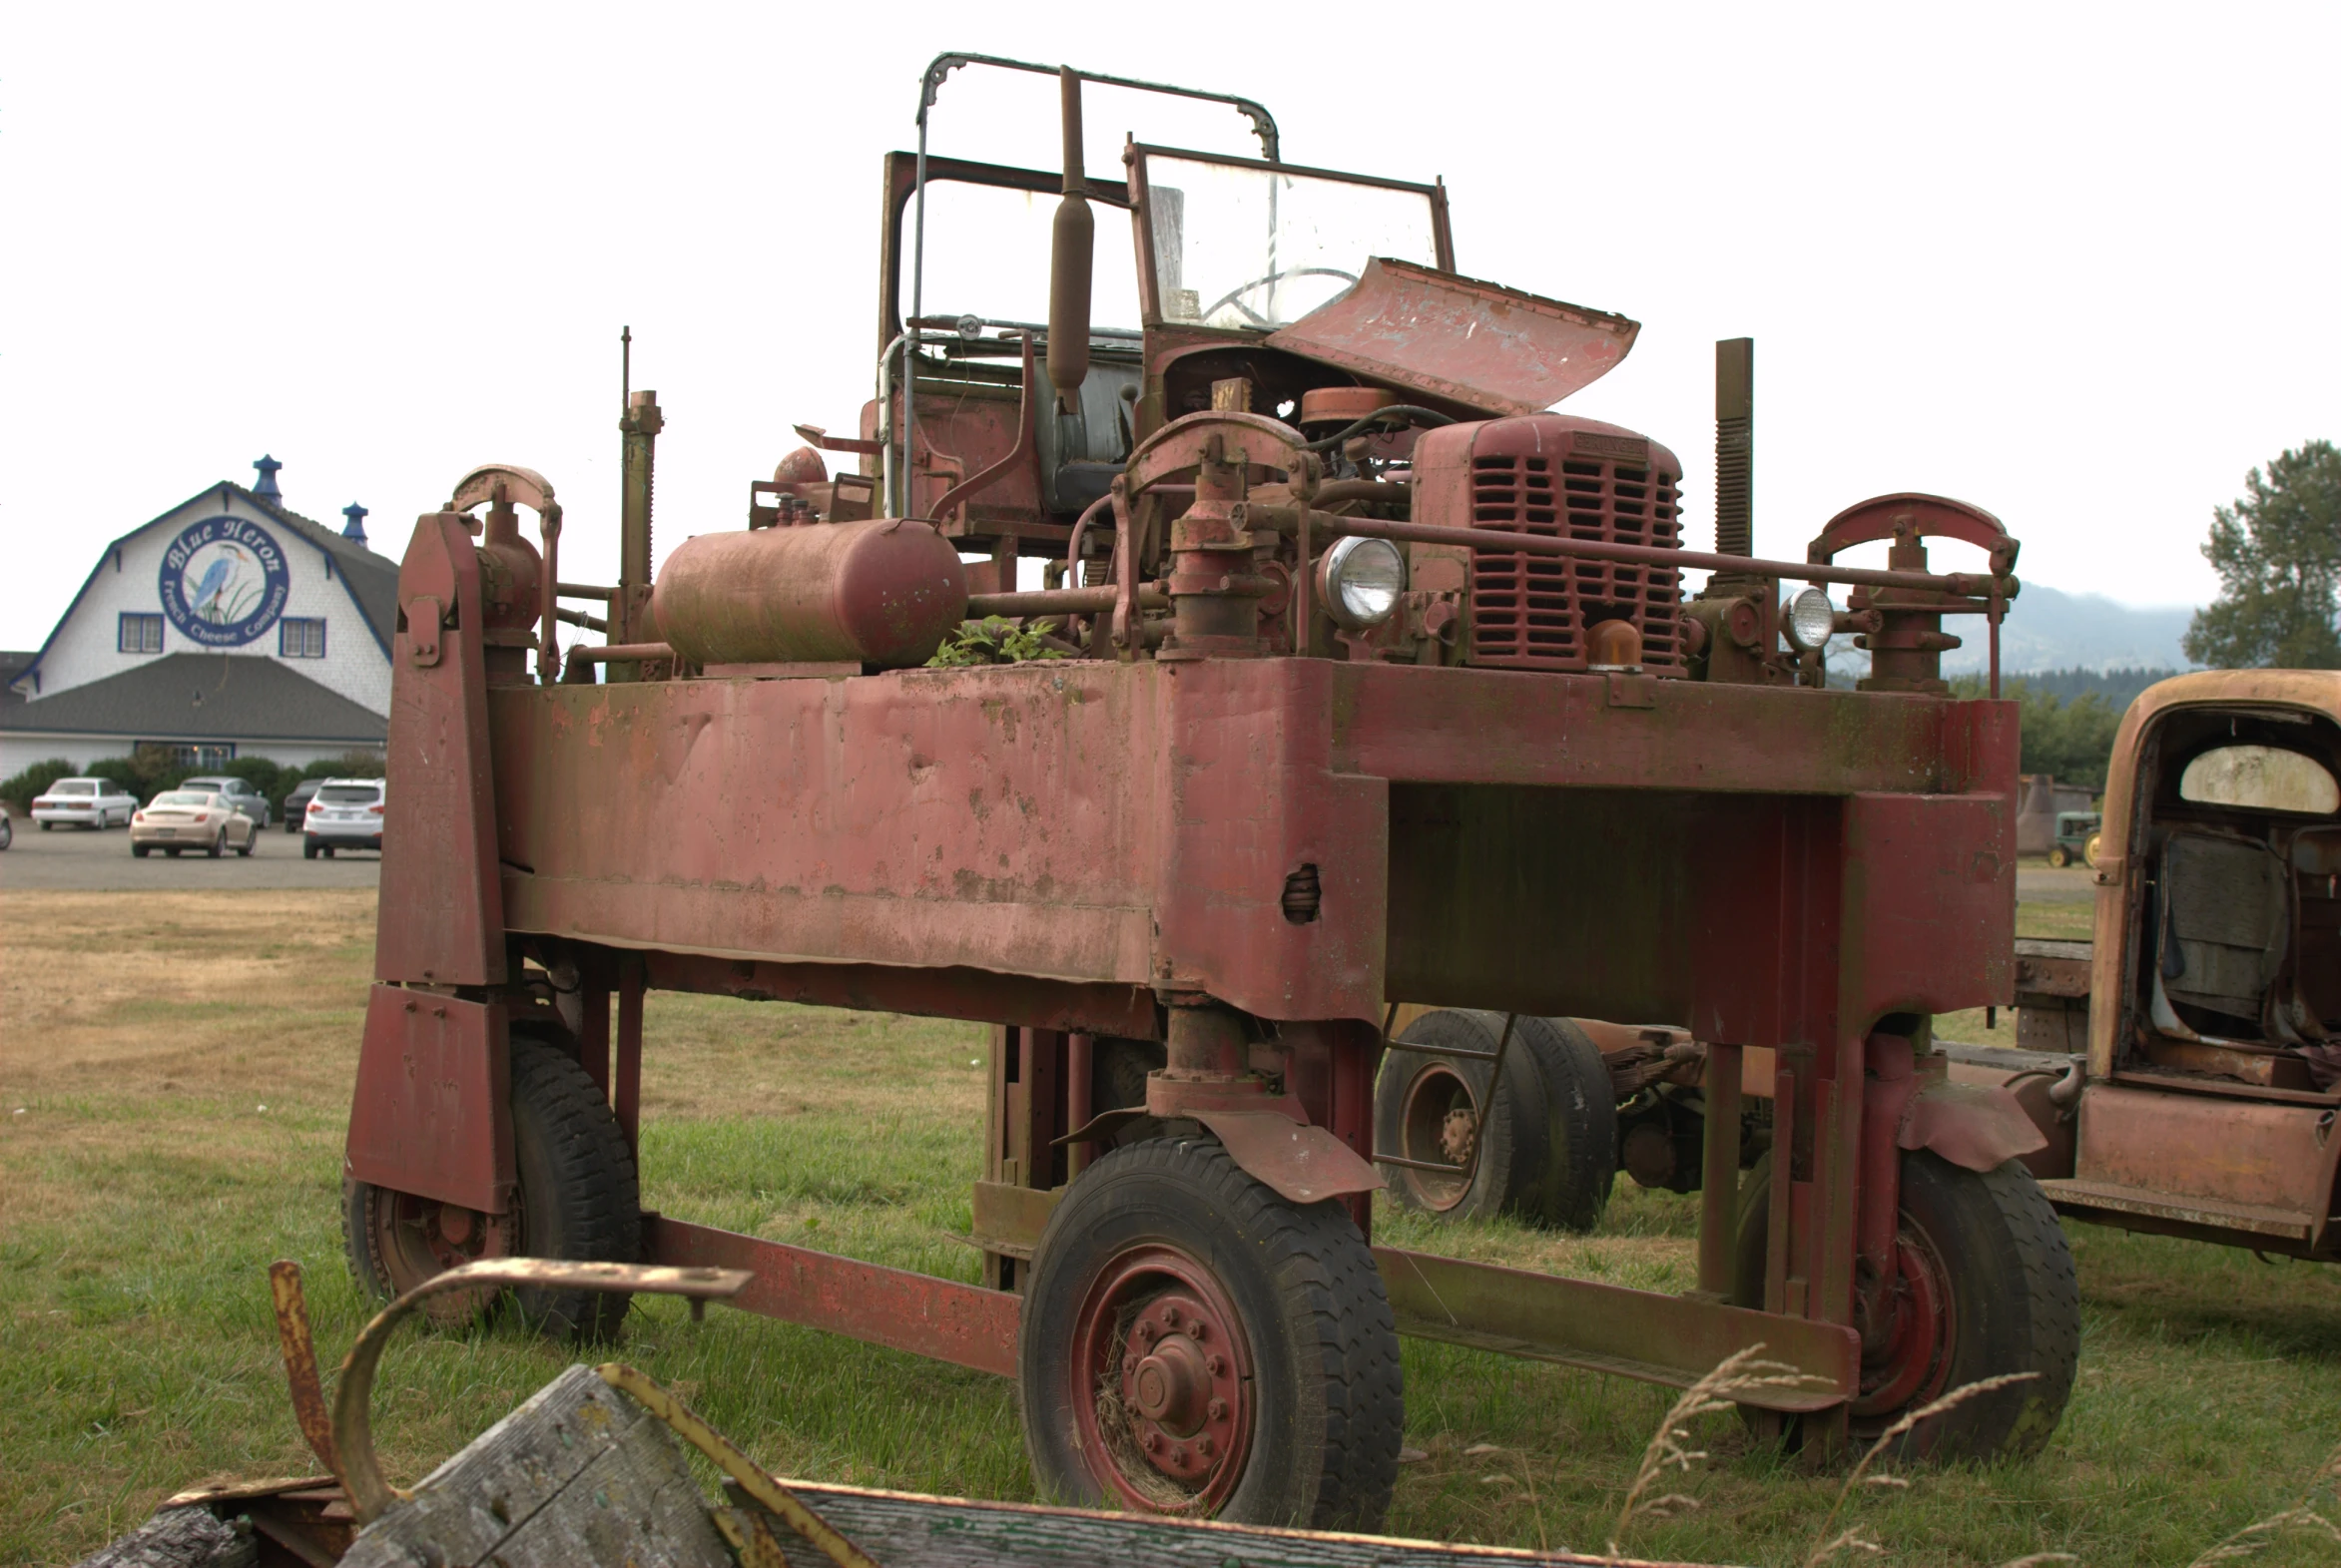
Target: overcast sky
{"x":2075,"y":265}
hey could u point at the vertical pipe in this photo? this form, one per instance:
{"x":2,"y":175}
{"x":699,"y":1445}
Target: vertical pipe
{"x":898,"y":504}
{"x":1080,"y":1097}
{"x":639,"y":429}
{"x":1735,"y":446}
{"x":626,"y":1087}
{"x":1720,"y":1173}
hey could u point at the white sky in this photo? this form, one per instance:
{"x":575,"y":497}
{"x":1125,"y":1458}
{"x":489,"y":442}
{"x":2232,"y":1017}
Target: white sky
{"x":2074,"y":264}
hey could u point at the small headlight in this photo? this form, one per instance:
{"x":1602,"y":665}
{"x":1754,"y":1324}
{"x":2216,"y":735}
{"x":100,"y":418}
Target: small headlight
{"x":1809,"y":620}
{"x":1360,"y":580}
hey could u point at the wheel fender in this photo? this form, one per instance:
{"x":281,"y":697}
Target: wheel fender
{"x":1303,"y":1163}
{"x":1977,"y":1126}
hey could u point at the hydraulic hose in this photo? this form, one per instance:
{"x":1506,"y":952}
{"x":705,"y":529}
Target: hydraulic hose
{"x":1423,"y":416}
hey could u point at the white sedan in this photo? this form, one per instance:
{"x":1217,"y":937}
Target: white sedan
{"x":84,"y":802}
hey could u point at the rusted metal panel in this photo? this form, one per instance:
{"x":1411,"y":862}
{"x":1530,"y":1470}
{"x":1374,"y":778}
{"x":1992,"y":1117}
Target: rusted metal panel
{"x":1460,"y":339}
{"x":940,"y":1318}
{"x":2045,"y":968}
{"x":1932,"y":892}
{"x":442,"y":917}
{"x":1124,"y":1010}
{"x":1670,"y":1340}
{"x":1303,"y":1163}
{"x":2207,"y":1146}
{"x":1408,"y":722}
{"x":432,"y":1112}
{"x":1975,"y":1125}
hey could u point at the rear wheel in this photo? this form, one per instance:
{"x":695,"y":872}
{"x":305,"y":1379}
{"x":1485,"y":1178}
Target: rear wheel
{"x":578,"y":1200}
{"x":140,"y":850}
{"x":2058,"y":856}
{"x":219,"y":843}
{"x":1193,"y":1344}
{"x":1447,"y":1110}
{"x":1580,"y":1127}
{"x":1985,"y":1289}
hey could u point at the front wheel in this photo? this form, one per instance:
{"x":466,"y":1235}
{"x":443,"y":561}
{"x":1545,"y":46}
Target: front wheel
{"x":219,"y":845}
{"x":2089,"y":849}
{"x":578,"y":1200}
{"x":1193,"y":1344}
{"x":2059,"y":857}
{"x":1986,"y":1289}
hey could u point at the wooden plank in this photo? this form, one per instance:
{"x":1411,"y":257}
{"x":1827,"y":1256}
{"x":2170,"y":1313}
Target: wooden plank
{"x":907,"y":1530}
{"x":578,"y":1474}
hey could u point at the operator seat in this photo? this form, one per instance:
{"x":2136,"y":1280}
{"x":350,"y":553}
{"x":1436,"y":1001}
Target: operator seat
{"x":2227,"y":923}
{"x":1081,"y":452}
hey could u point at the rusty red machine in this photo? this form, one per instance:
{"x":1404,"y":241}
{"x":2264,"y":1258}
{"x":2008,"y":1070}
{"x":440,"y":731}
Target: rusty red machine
{"x":1360,"y":675}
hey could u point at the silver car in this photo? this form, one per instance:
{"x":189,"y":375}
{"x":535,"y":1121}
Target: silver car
{"x":344,"y":813}
{"x":239,"y":792}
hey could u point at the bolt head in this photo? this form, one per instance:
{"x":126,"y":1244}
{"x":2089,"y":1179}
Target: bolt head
{"x":1215,"y":1364}
{"x":1205,"y":1446}
{"x":1199,"y":1330}
{"x":1178,"y":1456}
{"x":1217,"y":1409}
{"x":1151,"y":1442}
{"x":1170,"y":1317}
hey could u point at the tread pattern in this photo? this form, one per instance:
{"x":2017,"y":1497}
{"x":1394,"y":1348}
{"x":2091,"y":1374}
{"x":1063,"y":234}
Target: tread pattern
{"x":1580,"y":1158}
{"x":2051,"y":1300}
{"x":563,"y":1127}
{"x":1336,"y":1313}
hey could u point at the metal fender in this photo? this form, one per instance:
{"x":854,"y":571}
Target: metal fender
{"x":1978,"y":1125}
{"x":1306,"y":1163}
{"x":432,"y":1110}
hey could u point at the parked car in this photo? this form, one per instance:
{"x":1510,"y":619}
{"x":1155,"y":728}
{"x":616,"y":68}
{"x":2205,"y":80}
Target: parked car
{"x":296,"y":804}
{"x":344,"y":813}
{"x":239,"y":794}
{"x":179,"y":819}
{"x":7,"y":832}
{"x":2077,"y":838}
{"x":83,"y":802}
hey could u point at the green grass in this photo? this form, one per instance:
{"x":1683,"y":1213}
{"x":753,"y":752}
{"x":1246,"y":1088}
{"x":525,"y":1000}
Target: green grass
{"x":142,"y":1194}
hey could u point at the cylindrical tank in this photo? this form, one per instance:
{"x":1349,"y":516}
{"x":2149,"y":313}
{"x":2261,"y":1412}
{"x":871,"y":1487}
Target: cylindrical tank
{"x":882,"y":590}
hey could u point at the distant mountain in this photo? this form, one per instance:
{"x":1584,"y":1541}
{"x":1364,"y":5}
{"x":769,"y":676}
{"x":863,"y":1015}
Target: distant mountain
{"x":2049,"y":629}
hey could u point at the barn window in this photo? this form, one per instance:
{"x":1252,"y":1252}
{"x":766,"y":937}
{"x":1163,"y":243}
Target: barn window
{"x":299,"y":639}
{"x":140,"y":634}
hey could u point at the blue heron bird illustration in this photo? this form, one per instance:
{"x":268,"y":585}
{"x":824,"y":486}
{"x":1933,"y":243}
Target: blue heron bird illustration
{"x":205,"y":601}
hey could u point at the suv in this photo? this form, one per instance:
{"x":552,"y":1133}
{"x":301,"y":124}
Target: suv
{"x":296,"y":804}
{"x":248,"y":800}
{"x":344,"y":813}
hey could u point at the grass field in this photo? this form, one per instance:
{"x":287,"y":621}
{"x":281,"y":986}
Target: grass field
{"x":168,"y":1127}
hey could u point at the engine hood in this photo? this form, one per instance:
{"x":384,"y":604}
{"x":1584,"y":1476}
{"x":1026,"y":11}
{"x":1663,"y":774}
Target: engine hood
{"x":1459,"y":339}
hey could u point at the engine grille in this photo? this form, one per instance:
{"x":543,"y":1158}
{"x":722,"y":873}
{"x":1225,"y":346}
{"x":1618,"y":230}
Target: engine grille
{"x":1531,"y":612}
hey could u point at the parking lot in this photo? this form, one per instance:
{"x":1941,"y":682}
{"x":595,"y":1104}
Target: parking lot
{"x":85,"y":860}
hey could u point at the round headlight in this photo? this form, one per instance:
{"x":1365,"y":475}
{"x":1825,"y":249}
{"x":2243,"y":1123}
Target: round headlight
{"x":1360,"y":580}
{"x":1809,"y":620}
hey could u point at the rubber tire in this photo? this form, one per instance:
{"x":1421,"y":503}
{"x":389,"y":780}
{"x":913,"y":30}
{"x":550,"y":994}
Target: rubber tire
{"x":139,"y":852}
{"x":1513,"y":1124}
{"x":327,"y":850}
{"x":2015,"y":1301}
{"x":1330,"y":1397}
{"x":1581,"y":1128}
{"x":244,"y":849}
{"x":579,"y":1197}
{"x":219,"y":845}
{"x":309,"y":850}
{"x":172,"y":850}
{"x":44,"y":827}
{"x":2058,"y":856}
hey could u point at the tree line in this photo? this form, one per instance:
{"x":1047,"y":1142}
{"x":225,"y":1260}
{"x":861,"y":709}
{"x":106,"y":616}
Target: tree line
{"x":151,"y":769}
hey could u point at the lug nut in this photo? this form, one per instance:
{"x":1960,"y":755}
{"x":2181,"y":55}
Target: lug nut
{"x":1178,"y":1456}
{"x":1215,"y":1364}
{"x":1204,"y":1445}
{"x":1216,"y":1410}
{"x":1170,"y":1317}
{"x":1199,"y":1330}
{"x":1151,"y":1442}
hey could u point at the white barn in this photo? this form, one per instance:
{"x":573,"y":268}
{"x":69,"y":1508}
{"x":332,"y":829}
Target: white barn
{"x":227,"y":626}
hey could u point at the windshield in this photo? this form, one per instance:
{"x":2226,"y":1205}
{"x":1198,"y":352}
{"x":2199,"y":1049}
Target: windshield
{"x":73,"y":786}
{"x":183,"y":797}
{"x":1243,"y":246}
{"x":349,"y":795}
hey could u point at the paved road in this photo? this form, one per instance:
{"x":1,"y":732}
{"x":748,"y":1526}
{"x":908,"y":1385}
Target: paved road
{"x":79,"y":859}
{"x":2044,"y":883}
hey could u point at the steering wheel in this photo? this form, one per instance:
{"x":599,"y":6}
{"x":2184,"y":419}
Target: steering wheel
{"x":1234,"y":295}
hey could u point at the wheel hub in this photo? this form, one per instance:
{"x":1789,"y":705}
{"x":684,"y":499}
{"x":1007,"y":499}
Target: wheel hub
{"x":1905,"y":1326}
{"x":1458,"y":1134}
{"x":1171,"y":1414}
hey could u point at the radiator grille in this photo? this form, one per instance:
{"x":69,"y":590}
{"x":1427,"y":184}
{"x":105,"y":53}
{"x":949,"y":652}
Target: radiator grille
{"x":1531,"y":612}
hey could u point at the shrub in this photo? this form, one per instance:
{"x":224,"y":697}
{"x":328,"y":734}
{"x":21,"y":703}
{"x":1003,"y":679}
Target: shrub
{"x":20,"y":790}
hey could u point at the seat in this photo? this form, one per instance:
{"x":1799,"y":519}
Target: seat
{"x":1081,"y":452}
{"x":2227,"y":923}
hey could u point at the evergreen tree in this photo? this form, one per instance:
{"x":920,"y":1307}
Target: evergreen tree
{"x":2278,"y":555}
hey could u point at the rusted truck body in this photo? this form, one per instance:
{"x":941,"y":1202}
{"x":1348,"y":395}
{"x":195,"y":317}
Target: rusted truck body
{"x":1378,"y":681}
{"x":2185,"y":1065}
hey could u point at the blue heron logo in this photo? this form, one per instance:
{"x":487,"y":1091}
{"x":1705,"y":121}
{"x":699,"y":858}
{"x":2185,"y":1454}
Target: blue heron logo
{"x":224,"y":581}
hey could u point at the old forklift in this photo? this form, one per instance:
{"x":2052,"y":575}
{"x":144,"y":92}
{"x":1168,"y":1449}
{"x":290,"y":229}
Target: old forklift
{"x":1375,"y":679}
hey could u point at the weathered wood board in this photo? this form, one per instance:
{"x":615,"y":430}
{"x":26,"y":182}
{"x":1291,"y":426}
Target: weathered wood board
{"x":579,"y":1474}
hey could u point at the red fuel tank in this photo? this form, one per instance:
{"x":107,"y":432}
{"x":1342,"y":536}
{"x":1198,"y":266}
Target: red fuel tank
{"x":882,"y":590}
